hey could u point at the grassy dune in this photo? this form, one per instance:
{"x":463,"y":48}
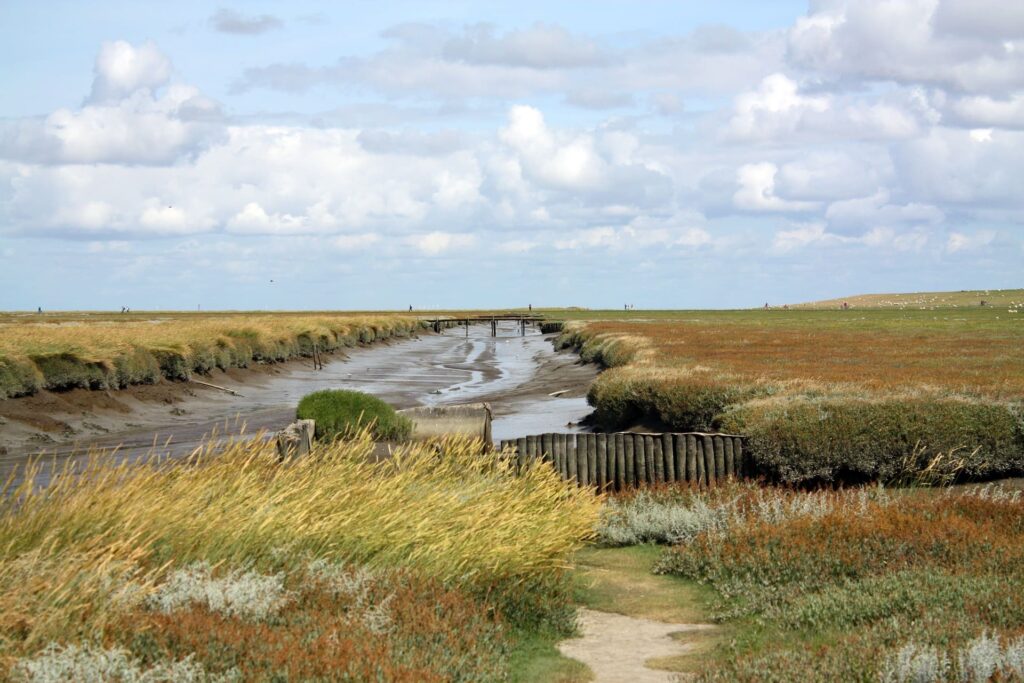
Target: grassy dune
{"x":997,"y":298}
{"x":422,"y":567}
{"x":824,"y":395}
{"x":103,"y":351}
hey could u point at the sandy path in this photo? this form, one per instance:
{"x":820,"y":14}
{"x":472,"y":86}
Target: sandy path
{"x":615,"y":646}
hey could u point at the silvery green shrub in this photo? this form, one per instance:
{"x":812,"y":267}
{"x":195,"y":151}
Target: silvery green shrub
{"x":89,"y":664}
{"x":649,"y":517}
{"x":357,"y":584}
{"x":644,"y":519}
{"x":248,"y":595}
{"x":976,"y":662}
{"x":914,"y":664}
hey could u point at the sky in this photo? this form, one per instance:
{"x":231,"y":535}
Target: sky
{"x":358,"y":155}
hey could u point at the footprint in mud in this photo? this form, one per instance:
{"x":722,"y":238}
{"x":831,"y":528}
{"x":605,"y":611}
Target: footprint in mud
{"x":617,"y":647}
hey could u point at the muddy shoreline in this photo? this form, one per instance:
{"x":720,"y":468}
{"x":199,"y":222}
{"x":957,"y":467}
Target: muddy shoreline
{"x":515,"y":374}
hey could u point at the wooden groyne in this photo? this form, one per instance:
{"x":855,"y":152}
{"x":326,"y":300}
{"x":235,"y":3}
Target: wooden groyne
{"x":623,"y":460}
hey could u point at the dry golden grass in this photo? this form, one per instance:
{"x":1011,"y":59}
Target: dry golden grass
{"x":73,"y":554}
{"x":101,"y":351}
{"x":885,"y":355}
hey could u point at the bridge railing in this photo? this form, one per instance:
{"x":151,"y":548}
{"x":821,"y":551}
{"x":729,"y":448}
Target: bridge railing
{"x":623,"y":460}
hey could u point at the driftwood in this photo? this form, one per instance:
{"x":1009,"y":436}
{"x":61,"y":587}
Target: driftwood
{"x":216,"y":386}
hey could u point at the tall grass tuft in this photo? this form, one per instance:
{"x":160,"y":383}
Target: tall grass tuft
{"x":98,"y":539}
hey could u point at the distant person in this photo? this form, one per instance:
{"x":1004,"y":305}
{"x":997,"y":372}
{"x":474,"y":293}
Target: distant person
{"x":39,"y":310}
{"x":531,"y":308}
{"x":410,"y":308}
{"x":766,"y":305}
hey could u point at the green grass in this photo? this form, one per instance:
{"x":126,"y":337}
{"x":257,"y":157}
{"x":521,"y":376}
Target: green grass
{"x":342,"y":413}
{"x":535,"y":659}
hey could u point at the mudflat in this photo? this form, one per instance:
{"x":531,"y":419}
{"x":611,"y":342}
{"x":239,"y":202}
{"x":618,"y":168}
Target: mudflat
{"x":514,"y":373}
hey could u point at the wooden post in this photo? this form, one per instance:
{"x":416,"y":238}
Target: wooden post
{"x":654,"y":448}
{"x":602,"y":462}
{"x":680,"y":456}
{"x":709,"y":459}
{"x":629,"y":456}
{"x":702,"y":476}
{"x":640,"y":449}
{"x":521,"y":453}
{"x":568,"y":446}
{"x":531,"y":448}
{"x":592,"y":459}
{"x":569,"y":470}
{"x":546,"y":451}
{"x":730,"y":462}
{"x":620,"y":461}
{"x":585,"y":466}
{"x":742,"y":466}
{"x":719,"y":457}
{"x":670,"y":458}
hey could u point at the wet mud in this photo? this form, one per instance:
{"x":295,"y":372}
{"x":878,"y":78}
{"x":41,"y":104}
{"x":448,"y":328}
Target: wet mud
{"x":515,"y":374}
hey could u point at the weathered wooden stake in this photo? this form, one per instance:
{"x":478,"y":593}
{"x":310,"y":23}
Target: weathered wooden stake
{"x":702,"y":475}
{"x":730,"y":462}
{"x":620,"y":462}
{"x":719,"y":457}
{"x":602,"y":462}
{"x":640,"y":449}
{"x":742,"y":466}
{"x":709,"y":459}
{"x":679,"y":448}
{"x":670,"y":458}
{"x":654,"y":447}
{"x":629,"y":455}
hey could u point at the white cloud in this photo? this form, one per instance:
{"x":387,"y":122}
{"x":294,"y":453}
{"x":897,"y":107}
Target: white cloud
{"x":122,"y":68}
{"x":912,"y":42}
{"x":517,"y":246}
{"x":126,"y":123}
{"x":230,"y":21}
{"x":541,"y":46}
{"x":777,"y":109}
{"x":959,"y":241}
{"x":854,"y":215}
{"x":757,"y":190}
{"x":355,"y":242}
{"x":434,"y":243}
{"x":985,"y":111}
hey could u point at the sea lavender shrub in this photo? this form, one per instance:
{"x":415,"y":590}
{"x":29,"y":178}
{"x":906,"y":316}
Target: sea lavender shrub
{"x":649,"y":518}
{"x":91,"y":664}
{"x":804,"y":441}
{"x":819,"y":583}
{"x":245,"y":594}
{"x":983,"y":659}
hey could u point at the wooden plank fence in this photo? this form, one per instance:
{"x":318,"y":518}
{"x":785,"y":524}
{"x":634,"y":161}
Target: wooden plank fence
{"x":614,"y":462}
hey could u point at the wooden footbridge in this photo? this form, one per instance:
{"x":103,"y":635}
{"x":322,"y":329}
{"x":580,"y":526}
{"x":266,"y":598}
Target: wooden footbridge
{"x":521,"y":319}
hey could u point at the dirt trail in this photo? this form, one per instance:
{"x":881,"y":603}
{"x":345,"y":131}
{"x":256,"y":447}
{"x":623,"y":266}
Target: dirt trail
{"x":616,"y":647}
